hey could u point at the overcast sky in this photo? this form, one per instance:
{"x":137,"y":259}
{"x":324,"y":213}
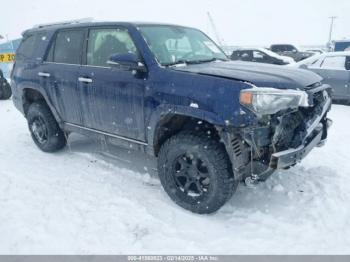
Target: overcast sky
{"x":239,"y":22}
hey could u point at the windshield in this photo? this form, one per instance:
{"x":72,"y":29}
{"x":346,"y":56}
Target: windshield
{"x":173,"y":45}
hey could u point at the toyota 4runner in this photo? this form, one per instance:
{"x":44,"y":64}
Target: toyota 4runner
{"x":171,"y":92}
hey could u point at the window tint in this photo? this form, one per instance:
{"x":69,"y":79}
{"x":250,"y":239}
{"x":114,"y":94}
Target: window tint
{"x":246,"y":55}
{"x":68,"y":46}
{"x":103,"y":43}
{"x":235,"y":55}
{"x":260,"y":57}
{"x":334,"y":62}
{"x":283,"y":48}
{"x":28,"y":46}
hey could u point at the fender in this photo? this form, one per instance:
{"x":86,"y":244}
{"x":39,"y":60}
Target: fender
{"x":166,"y":109}
{"x":38,"y":88}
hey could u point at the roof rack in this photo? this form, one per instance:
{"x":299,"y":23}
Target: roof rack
{"x":68,"y":22}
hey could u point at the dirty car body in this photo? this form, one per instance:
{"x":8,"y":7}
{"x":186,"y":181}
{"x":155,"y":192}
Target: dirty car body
{"x":159,"y":91}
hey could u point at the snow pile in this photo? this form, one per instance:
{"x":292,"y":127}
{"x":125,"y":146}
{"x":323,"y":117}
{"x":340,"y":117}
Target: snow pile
{"x":94,"y":198}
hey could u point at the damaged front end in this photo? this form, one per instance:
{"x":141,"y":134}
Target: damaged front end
{"x":290,"y":124}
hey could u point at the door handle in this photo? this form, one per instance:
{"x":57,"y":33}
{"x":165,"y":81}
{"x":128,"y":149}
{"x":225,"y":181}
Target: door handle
{"x":85,"y":80}
{"x":43,"y":74}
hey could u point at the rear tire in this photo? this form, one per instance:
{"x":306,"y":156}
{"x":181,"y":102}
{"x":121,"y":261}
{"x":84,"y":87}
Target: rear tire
{"x":196,"y":172}
{"x":44,"y":128}
{"x":5,"y":89}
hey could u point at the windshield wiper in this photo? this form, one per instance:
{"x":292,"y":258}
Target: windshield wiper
{"x":191,"y":62}
{"x":178,"y":62}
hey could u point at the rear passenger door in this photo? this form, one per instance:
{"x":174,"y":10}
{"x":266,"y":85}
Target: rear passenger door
{"x":60,"y":71}
{"x":113,"y":98}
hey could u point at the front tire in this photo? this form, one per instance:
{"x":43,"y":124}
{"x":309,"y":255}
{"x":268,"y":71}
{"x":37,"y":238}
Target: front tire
{"x":44,"y":129}
{"x":196,"y":172}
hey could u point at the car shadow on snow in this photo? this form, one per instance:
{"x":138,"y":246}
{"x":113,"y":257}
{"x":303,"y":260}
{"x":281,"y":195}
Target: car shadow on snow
{"x":133,"y":160}
{"x":284,"y":189}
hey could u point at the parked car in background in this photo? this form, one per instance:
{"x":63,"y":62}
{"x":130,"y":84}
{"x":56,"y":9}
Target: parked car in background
{"x":340,"y":45}
{"x":316,"y":51}
{"x":334,"y":68}
{"x":5,"y":88}
{"x":260,"y":55}
{"x":171,"y":92}
{"x":291,"y":51}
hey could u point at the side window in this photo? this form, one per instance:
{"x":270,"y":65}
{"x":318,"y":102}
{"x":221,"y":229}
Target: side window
{"x":334,"y":62}
{"x":277,"y":48}
{"x":27,"y":47}
{"x":67,"y":47}
{"x":246,"y":55}
{"x":259,"y":56}
{"x":103,"y":43}
{"x":235,"y":55}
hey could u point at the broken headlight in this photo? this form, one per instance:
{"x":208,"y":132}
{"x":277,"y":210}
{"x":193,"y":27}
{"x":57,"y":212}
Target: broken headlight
{"x":268,"y":101}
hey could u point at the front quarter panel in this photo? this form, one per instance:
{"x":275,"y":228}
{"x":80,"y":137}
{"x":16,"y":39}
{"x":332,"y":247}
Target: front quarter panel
{"x":213,"y":99}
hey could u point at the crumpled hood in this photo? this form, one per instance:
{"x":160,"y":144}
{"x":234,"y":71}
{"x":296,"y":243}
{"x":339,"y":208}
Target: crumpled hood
{"x":261,"y":75}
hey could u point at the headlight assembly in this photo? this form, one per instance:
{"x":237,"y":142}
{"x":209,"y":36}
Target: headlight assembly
{"x":267,"y":101}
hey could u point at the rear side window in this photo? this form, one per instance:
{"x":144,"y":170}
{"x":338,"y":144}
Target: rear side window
{"x":334,"y":62}
{"x":28,"y":46}
{"x":67,"y":47}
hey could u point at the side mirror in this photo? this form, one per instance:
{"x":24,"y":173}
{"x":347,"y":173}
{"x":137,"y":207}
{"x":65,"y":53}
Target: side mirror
{"x":127,"y":61}
{"x":303,"y":66}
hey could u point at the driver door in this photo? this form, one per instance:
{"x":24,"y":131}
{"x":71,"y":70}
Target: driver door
{"x":112,"y":98}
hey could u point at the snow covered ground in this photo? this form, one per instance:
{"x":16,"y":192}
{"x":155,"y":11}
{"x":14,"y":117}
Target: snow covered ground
{"x":94,"y":198}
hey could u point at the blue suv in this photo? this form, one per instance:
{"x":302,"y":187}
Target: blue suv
{"x":170,"y":92}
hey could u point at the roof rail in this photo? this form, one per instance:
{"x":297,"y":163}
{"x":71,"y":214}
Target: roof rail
{"x":68,"y":22}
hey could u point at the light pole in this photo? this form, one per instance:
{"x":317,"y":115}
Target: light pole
{"x":331,"y":28}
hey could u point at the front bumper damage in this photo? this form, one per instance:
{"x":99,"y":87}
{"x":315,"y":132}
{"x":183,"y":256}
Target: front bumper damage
{"x":282,"y":140}
{"x":290,"y":157}
{"x":317,"y":130}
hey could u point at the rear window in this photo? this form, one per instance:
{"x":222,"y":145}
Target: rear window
{"x":67,"y":47}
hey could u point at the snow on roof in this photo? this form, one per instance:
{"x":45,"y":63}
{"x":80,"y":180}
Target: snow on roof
{"x":313,"y":58}
{"x":263,"y":50}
